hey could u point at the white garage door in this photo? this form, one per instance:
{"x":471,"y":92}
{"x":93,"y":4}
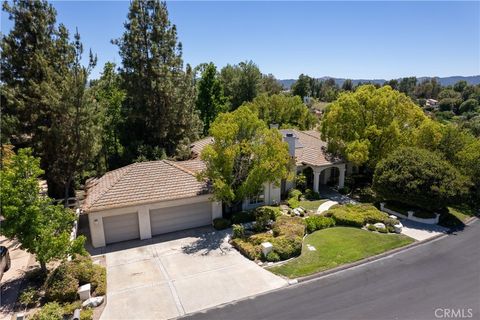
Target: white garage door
{"x":120,"y":228}
{"x":181,"y":217}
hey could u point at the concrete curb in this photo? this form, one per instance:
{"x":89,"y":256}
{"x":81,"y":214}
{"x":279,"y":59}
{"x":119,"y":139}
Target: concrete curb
{"x":378,"y":256}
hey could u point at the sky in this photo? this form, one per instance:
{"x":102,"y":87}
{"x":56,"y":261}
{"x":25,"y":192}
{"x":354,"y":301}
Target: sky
{"x":357,"y":40}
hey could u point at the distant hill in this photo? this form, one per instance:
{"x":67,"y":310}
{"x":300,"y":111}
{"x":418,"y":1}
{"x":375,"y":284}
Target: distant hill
{"x":444,"y":81}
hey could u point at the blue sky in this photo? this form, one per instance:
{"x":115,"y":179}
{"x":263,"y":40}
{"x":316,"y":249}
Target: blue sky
{"x":340,"y":39}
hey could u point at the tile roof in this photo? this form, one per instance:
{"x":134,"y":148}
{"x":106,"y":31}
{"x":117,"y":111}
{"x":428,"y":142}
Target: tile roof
{"x":144,"y":182}
{"x":310,"y":148}
{"x":198,"y":146}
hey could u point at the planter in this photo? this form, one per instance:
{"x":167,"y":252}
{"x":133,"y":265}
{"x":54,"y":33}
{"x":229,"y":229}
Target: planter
{"x":410,"y":215}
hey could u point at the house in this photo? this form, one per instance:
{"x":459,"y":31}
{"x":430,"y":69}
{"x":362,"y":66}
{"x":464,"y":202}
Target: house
{"x":150,"y":198}
{"x":431,"y":103}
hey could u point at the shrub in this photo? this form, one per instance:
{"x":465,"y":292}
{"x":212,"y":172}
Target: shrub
{"x":272,"y":212}
{"x":293,"y":203}
{"x":238,"y":231}
{"x":86,"y":314}
{"x":272,"y":256}
{"x":260,"y":238}
{"x":344,"y":190}
{"x":312,"y":195}
{"x":391,"y":229}
{"x":371,"y":227}
{"x":289,"y":226}
{"x":294,"y":193}
{"x":294,"y":198}
{"x":249,"y":250}
{"x":50,"y":311}
{"x":61,"y":285}
{"x":382,"y":230}
{"x":243,"y":217}
{"x":69,"y":308}
{"x":356,"y":215}
{"x":315,"y":223}
{"x":221,"y":223}
{"x":367,"y":195}
{"x":99,"y":280}
{"x":262,"y":218}
{"x":287,"y":247}
{"x":29,"y":297}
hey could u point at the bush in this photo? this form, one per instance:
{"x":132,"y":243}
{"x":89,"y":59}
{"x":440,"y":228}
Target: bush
{"x":371,"y":227}
{"x":50,"y":311}
{"x":63,"y":282}
{"x":312,"y":195}
{"x":221,"y":223}
{"x":272,"y":256}
{"x":272,"y":212}
{"x":249,"y":250}
{"x":294,"y":198}
{"x":260,"y":238}
{"x":29,"y":297}
{"x":357,"y":215}
{"x":294,"y":193}
{"x":69,"y":308}
{"x":315,"y":223}
{"x":86,"y":314}
{"x":287,"y":247}
{"x":289,"y":226}
{"x":61,"y":285}
{"x":344,"y":190}
{"x":382,"y":230}
{"x":391,"y":229}
{"x":367,"y":195}
{"x":238,"y":231}
{"x":243,"y":217}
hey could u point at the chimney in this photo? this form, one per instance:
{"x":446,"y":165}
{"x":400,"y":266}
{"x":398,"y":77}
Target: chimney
{"x":292,"y":143}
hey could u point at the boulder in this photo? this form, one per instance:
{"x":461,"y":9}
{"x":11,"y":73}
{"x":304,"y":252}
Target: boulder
{"x":393,"y":217}
{"x":93,"y":302}
{"x":398,"y":227}
{"x":379,"y":225}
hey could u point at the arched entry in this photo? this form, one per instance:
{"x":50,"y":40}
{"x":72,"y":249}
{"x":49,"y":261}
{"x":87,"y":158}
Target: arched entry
{"x":308,"y":173}
{"x":334,"y":177}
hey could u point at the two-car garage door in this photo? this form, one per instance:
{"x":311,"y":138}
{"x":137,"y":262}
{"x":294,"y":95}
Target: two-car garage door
{"x":181,"y":217}
{"x":126,"y":226}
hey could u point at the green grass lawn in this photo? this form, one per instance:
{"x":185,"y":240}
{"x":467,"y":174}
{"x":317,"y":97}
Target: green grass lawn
{"x":312,"y":205}
{"x":337,"y":246}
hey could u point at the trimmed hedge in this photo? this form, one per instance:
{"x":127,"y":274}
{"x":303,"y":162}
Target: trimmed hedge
{"x":315,"y":223}
{"x":221,"y":223}
{"x":248,"y":249}
{"x":357,"y":215}
{"x":287,"y":247}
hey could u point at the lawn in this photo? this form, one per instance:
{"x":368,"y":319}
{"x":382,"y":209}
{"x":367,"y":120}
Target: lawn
{"x":312,"y":205}
{"x":337,"y":246}
{"x":456,"y":216}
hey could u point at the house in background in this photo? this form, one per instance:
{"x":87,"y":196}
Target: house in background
{"x":150,"y":198}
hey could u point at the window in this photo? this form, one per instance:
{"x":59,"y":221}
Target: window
{"x":258,"y":199}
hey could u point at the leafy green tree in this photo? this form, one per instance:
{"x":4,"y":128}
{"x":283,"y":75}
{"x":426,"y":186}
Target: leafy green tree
{"x":210,"y":98}
{"x":270,"y":85}
{"x":302,"y":87}
{"x":469,"y":105}
{"x":419,"y":177}
{"x":245,"y":154}
{"x":241,"y":83}
{"x":159,"y":107}
{"x":407,"y":86}
{"x":42,"y":228}
{"x":109,"y":96}
{"x":366,"y":125}
{"x":286,"y":111}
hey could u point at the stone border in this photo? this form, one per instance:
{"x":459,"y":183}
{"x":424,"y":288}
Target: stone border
{"x":410,"y":216}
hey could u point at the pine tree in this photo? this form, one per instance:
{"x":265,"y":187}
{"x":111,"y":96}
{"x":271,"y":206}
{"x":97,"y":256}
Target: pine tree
{"x":210,"y":98}
{"x":159,"y":105}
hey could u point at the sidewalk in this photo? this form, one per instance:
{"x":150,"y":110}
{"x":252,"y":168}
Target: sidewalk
{"x":13,"y":278}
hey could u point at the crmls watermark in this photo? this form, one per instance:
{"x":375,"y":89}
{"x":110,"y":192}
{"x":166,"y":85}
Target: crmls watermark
{"x":453,"y":313}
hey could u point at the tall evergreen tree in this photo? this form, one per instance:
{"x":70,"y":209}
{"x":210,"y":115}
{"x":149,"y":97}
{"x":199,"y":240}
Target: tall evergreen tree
{"x":241,"y":83}
{"x":160,"y":98}
{"x":210,"y":98}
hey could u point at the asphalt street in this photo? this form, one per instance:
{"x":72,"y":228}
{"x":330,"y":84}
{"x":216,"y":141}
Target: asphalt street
{"x":436,"y":280}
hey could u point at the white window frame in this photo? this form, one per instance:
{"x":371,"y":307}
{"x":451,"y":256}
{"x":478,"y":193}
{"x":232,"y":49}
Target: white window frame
{"x":258,"y":199}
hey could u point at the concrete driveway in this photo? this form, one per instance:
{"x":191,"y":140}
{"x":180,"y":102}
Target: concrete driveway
{"x":166,"y":278}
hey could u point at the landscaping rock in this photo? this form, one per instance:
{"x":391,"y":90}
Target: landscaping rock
{"x":93,"y":302}
{"x":392,"y":216}
{"x":311,"y":248}
{"x":84,"y":292}
{"x":398,"y":227}
{"x":267,"y":247}
{"x":379,"y":225}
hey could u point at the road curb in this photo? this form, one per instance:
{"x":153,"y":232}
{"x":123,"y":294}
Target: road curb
{"x":378,"y":256}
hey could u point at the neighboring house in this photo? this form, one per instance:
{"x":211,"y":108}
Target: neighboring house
{"x":431,"y":103}
{"x":150,"y":198}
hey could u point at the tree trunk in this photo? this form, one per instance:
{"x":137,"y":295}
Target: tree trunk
{"x":43,"y":267}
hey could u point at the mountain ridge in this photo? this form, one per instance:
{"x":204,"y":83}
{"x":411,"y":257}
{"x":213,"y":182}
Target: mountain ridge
{"x":444,"y":81}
